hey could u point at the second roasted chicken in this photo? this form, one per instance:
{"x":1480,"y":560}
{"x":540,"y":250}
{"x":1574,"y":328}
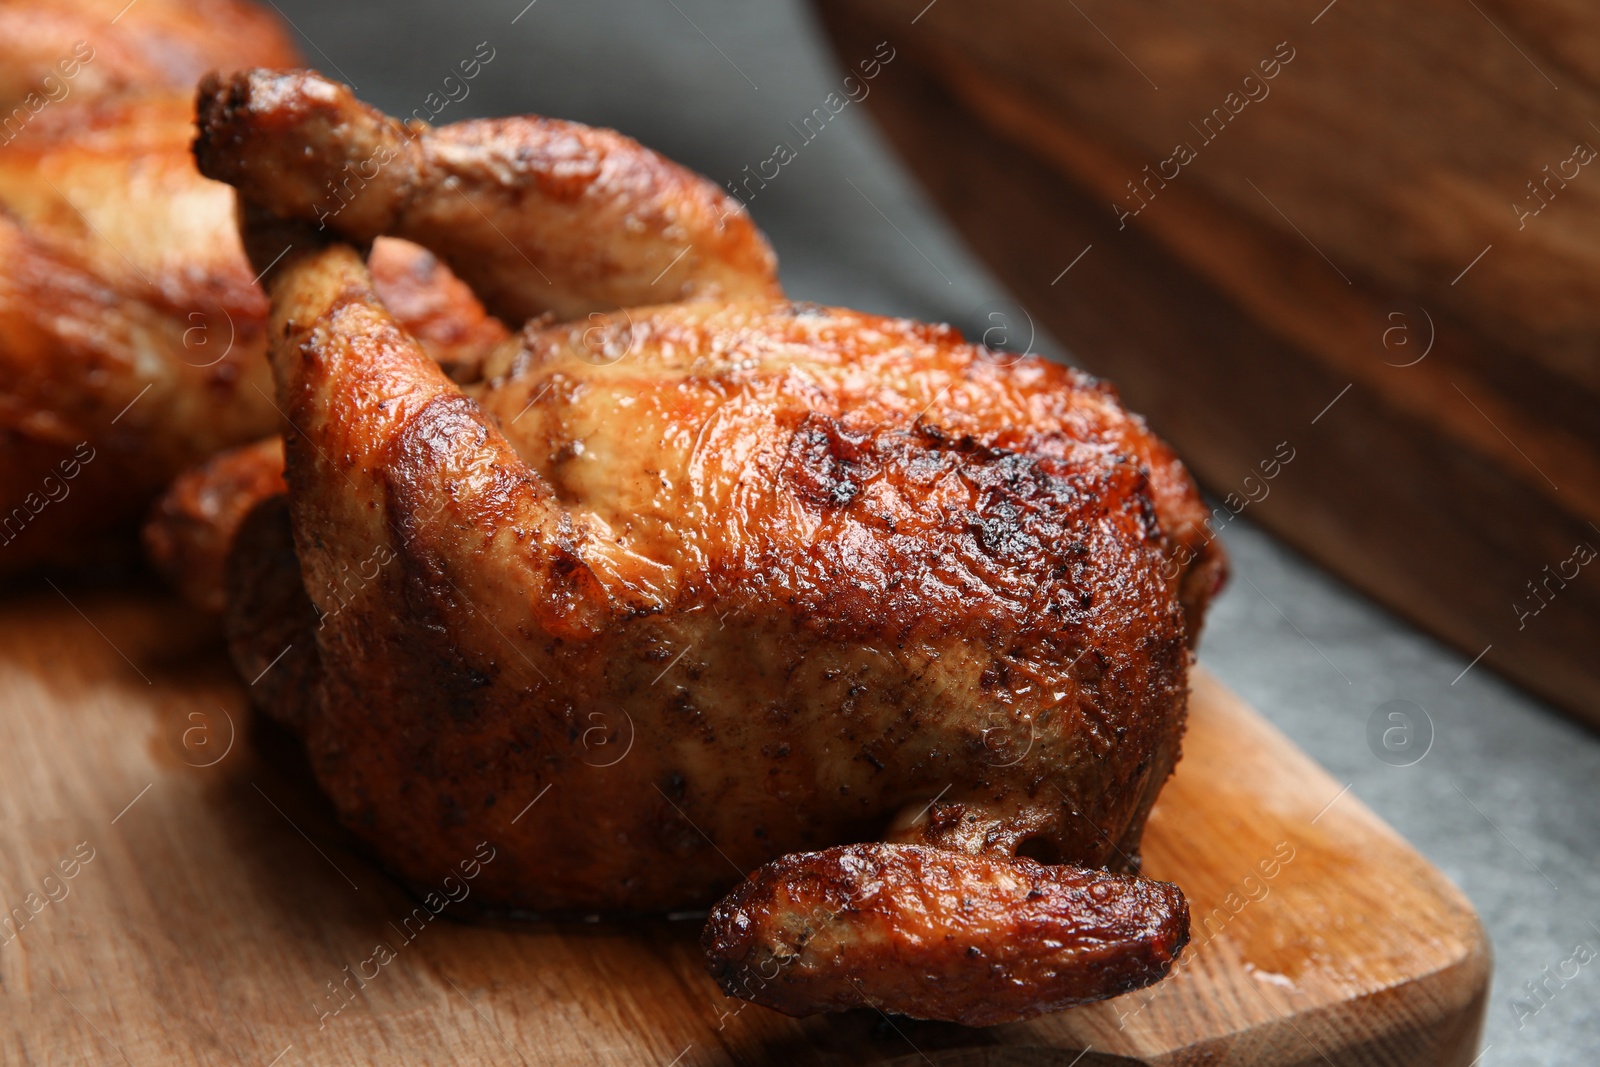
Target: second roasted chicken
{"x":827,"y":621}
{"x":132,"y":329}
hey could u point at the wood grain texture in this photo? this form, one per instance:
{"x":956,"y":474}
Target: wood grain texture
{"x":1271,"y":273}
{"x":222,"y":904}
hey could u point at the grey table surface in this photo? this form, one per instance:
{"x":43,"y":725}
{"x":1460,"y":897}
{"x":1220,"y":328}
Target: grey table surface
{"x":1504,"y":801}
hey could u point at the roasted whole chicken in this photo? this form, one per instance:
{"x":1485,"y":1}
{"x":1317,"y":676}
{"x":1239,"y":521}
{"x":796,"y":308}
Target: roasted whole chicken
{"x":845,"y":628}
{"x":132,"y":331}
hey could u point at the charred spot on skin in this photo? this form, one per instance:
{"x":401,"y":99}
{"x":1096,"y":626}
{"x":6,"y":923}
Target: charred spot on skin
{"x":820,"y":458}
{"x":1000,"y":533}
{"x":1149,"y":520}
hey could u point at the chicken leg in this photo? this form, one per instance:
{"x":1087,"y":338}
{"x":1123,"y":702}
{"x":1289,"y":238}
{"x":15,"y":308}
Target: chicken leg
{"x":536,"y":214}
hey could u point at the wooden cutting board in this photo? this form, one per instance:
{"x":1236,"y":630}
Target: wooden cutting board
{"x":185,"y":897}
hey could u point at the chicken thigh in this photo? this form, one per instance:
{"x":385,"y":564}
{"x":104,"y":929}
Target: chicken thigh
{"x":869,"y":641}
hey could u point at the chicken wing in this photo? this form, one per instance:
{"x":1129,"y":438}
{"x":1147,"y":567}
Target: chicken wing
{"x":536,"y":215}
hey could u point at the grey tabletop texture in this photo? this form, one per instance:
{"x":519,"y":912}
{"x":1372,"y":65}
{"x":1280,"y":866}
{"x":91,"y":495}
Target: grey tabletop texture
{"x":1503,"y":801}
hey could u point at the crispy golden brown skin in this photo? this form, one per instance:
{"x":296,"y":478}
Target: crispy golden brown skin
{"x":721,"y":587}
{"x":1029,"y":938}
{"x":129,"y":323}
{"x":437,"y":308}
{"x":614,"y":223}
{"x":583,"y":399}
{"x":535,"y":214}
{"x":131,"y":329}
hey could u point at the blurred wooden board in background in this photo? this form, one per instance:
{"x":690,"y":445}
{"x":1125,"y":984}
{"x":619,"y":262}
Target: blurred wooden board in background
{"x":221,"y":903}
{"x":1349,"y":260}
